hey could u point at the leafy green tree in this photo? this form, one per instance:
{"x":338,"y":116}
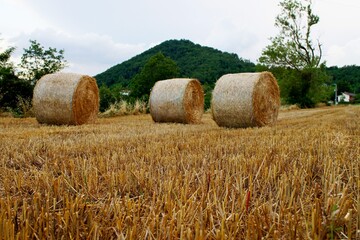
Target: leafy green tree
{"x":11,"y":87}
{"x":294,"y":50}
{"x":106,"y":97}
{"x":357,"y":98}
{"x":5,"y":59}
{"x":38,"y":61}
{"x":158,"y":67}
{"x":117,"y":91}
{"x":208,"y":88}
{"x":111,"y":95}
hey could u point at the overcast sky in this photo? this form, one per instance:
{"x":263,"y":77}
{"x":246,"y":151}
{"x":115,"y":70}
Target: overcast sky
{"x":99,"y":34}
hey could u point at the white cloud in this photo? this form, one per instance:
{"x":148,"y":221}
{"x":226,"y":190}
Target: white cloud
{"x":17,"y":16}
{"x":347,"y":54}
{"x":99,"y":34}
{"x":88,"y":53}
{"x":231,"y":38}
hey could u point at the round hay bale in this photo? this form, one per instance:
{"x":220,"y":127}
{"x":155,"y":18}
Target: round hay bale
{"x":66,"y":98}
{"x":177,"y":100}
{"x":246,"y":100}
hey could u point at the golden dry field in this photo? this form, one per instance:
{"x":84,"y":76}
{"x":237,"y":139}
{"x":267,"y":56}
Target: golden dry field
{"x":130,"y":178}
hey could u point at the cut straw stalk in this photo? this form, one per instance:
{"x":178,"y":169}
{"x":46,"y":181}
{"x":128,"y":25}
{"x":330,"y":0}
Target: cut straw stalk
{"x":177,"y":100}
{"x":66,"y":98}
{"x":246,"y":100}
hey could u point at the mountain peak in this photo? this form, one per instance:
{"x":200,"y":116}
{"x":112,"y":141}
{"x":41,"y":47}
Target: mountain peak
{"x":194,"y":61}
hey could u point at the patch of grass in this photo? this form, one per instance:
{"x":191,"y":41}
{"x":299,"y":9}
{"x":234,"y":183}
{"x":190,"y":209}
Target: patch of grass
{"x":123,"y":108}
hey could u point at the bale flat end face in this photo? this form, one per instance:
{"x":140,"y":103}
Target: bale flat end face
{"x":86,"y":101}
{"x":266,"y":100}
{"x":193,"y":102}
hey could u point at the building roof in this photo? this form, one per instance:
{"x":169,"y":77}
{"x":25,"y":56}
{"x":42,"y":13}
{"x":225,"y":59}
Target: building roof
{"x":349,"y":93}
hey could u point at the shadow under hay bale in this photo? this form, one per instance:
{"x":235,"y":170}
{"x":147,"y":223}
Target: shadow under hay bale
{"x":66,"y":98}
{"x":246,"y":100}
{"x":177,"y":100}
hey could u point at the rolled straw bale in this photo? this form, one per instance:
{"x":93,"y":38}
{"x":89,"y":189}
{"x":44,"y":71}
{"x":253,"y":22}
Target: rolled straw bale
{"x":66,"y":98}
{"x":177,"y":100}
{"x":246,"y":100}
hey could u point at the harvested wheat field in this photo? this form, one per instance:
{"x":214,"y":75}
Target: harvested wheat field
{"x":131,"y":178}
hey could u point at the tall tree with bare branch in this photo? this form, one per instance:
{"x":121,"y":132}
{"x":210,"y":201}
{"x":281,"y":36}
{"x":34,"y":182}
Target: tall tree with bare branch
{"x":294,"y":49}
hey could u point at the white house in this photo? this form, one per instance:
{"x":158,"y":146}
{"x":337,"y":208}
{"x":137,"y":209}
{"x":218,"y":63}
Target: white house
{"x":346,"y":97}
{"x":125,"y":92}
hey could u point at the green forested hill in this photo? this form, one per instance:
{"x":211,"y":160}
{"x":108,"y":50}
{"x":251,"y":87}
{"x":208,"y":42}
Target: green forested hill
{"x":195,"y":61}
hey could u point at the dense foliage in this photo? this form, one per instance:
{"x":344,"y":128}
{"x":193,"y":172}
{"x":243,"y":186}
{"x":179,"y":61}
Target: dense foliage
{"x":304,"y":88}
{"x":347,"y":78}
{"x":12,"y":89}
{"x":195,"y":61}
